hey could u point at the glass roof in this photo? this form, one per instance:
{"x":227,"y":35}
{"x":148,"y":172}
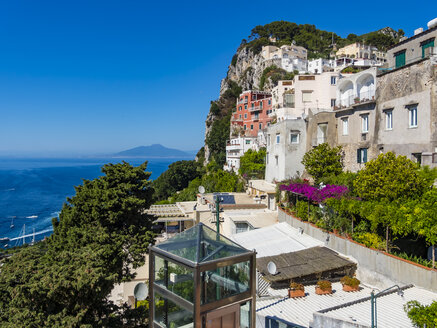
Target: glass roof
{"x":200,"y":244}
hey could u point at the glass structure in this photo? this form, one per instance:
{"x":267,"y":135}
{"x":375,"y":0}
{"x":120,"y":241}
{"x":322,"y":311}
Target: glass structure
{"x":196,"y":276}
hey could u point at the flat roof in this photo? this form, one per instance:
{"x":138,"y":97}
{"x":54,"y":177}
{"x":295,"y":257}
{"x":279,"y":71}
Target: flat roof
{"x":307,"y":263}
{"x":390,"y":308}
{"x":168,"y":210}
{"x":263,"y":185}
{"x":275,"y":239}
{"x":256,"y":218}
{"x":300,"y":310}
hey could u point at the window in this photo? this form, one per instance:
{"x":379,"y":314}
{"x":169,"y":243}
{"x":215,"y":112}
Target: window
{"x":270,"y":101}
{"x":278,"y":138}
{"x":247,"y":141}
{"x":412,"y":114}
{"x":245,"y":115}
{"x":251,"y":126}
{"x":333,"y":103}
{"x":400,"y":58}
{"x":389,"y":119}
{"x":244,"y":127}
{"x":289,"y":100}
{"x":365,"y":123}
{"x":362,"y":155}
{"x":253,"y":105}
{"x":261,"y":104}
{"x":294,"y":137}
{"x":242,"y":227}
{"x":306,"y":96}
{"x":277,"y":160}
{"x":245,"y":106}
{"x":240,"y":116}
{"x":427,"y":46}
{"x":240,"y":108}
{"x":260,"y":126}
{"x":333,"y":80}
{"x":345,"y":122}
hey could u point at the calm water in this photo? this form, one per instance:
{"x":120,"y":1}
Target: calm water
{"x":32,"y":191}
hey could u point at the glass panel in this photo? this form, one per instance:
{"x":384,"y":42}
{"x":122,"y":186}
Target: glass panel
{"x":179,"y":280}
{"x":245,"y":315}
{"x":201,"y":243}
{"x":226,"y":281}
{"x":168,"y":314}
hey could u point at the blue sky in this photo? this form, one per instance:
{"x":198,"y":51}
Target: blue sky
{"x":85,"y":77}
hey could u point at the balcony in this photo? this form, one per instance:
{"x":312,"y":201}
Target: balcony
{"x":242,"y":101}
{"x":255,"y":109}
{"x":365,"y":97}
{"x":233,"y":148}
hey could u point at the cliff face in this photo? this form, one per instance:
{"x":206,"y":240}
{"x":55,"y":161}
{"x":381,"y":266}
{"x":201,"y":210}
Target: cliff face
{"x":246,"y":71}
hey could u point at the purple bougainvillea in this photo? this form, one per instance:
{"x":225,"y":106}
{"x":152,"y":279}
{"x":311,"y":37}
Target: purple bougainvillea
{"x":314,"y":194}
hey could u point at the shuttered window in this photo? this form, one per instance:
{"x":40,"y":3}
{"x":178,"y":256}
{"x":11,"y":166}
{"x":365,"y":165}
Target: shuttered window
{"x":428,"y":44}
{"x":400,"y":59}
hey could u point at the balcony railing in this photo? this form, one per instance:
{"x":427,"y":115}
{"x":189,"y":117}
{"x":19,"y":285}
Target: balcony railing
{"x":242,"y":101}
{"x":431,"y":53}
{"x":351,"y":100}
{"x":255,"y":109}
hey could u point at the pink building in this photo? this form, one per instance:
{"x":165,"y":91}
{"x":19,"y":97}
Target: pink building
{"x":252,"y":112}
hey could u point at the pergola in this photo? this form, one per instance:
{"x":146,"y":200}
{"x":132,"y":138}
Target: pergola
{"x":200,"y":278}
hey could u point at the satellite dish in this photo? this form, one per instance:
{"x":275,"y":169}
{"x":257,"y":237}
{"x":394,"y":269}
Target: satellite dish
{"x":271,"y":268}
{"x":201,"y":189}
{"x":141,"y":291}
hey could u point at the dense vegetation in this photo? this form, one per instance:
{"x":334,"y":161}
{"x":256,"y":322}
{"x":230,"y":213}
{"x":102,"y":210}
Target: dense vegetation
{"x":317,"y":42}
{"x":175,"y":178}
{"x":274,"y":74}
{"x":102,"y":233}
{"x":253,"y":164}
{"x":391,"y":204}
{"x":220,"y":126}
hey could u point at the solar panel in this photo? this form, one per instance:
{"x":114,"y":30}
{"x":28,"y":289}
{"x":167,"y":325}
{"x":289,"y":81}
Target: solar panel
{"x":225,"y":197}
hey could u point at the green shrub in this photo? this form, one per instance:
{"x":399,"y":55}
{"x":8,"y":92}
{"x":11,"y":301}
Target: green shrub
{"x":324,"y":284}
{"x":302,"y":210}
{"x":350,"y":281}
{"x":370,"y":240}
{"x":421,"y":315}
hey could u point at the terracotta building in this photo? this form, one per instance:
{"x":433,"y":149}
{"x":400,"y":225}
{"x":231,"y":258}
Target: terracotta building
{"x":251,"y":114}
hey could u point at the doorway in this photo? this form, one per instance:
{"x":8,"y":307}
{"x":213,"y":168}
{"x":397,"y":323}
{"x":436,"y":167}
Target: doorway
{"x":227,"y":317}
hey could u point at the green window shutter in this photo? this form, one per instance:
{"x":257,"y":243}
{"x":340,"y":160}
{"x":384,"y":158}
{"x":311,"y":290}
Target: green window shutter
{"x":428,"y":44}
{"x":364,"y":155}
{"x":400,"y":59}
{"x":358,"y":155}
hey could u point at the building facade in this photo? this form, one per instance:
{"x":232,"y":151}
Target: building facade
{"x":252,"y":113}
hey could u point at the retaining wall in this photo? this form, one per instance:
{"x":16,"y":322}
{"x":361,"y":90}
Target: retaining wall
{"x":372,"y":261}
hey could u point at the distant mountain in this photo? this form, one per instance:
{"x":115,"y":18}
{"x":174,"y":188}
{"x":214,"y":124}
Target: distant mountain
{"x":155,"y":150}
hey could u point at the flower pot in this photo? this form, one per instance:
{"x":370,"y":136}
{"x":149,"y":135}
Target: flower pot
{"x":292,"y":293}
{"x":320,"y":291}
{"x":348,"y":288}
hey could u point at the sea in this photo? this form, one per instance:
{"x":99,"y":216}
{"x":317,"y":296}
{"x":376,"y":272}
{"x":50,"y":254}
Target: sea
{"x":32,"y":191}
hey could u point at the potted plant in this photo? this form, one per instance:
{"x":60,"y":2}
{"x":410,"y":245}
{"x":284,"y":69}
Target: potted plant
{"x":357,"y":100}
{"x":323,"y":287}
{"x":296,"y":290}
{"x":350,"y":284}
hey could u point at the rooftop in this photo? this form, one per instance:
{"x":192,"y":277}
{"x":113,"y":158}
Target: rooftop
{"x":390,"y":308}
{"x":299,"y":311}
{"x":263,"y":185}
{"x":275,"y":239}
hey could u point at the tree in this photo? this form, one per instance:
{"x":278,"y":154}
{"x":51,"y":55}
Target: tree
{"x":389,"y":178}
{"x":175,"y":178}
{"x":252,"y":163}
{"x":323,"y":161}
{"x":102,"y":233}
{"x":422,"y":315}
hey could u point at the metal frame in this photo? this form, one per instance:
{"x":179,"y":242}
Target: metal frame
{"x":200,"y":310}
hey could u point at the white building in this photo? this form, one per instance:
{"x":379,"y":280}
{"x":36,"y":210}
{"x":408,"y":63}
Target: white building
{"x":320,"y":65}
{"x":236,"y":147}
{"x":289,"y":57}
{"x":356,"y":88}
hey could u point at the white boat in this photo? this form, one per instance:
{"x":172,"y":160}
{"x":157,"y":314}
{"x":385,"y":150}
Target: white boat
{"x":32,"y":217}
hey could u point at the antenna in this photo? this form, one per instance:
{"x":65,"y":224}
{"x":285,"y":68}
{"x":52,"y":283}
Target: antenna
{"x":141,"y":291}
{"x":271,"y":268}
{"x":201,"y":189}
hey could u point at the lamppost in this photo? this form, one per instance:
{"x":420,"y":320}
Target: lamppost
{"x":373,"y":297}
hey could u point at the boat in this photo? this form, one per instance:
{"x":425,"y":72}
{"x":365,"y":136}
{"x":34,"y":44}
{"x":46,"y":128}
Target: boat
{"x":32,"y":217}
{"x":12,"y":223}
